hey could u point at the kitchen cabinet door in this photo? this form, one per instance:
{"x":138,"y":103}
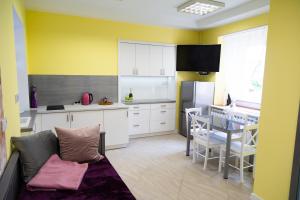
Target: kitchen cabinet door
{"x":127,"y":59}
{"x":138,"y":122}
{"x":86,"y":118}
{"x":169,"y":61}
{"x":171,"y":119}
{"x":52,"y":120}
{"x":116,"y":127}
{"x":142,"y":54}
{"x":37,"y":126}
{"x":156,"y":60}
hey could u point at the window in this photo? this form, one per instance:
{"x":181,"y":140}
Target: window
{"x":242,"y":64}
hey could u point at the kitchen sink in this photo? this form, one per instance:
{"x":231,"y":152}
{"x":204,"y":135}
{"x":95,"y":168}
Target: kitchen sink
{"x":25,"y":121}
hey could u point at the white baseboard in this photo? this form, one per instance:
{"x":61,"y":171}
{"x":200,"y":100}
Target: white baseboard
{"x":151,"y":134}
{"x":255,"y":197}
{"x":118,"y":146}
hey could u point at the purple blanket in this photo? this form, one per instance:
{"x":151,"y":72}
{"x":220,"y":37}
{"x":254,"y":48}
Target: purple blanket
{"x":100,"y":182}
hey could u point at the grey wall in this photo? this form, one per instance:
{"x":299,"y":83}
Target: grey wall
{"x":62,"y":89}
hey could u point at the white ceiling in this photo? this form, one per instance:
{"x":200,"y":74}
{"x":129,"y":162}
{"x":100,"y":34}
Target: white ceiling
{"x":152,"y":12}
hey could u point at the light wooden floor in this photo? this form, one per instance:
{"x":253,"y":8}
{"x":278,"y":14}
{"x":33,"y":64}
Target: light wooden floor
{"x":156,"y":168}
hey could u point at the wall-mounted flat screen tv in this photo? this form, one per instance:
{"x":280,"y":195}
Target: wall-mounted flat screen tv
{"x":198,"y":58}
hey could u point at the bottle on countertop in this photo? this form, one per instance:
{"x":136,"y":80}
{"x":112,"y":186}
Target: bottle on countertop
{"x":33,"y":97}
{"x":130,"y":94}
{"x":229,"y":101}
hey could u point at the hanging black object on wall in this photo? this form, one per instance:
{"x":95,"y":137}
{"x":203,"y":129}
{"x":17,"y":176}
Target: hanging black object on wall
{"x":229,"y":101}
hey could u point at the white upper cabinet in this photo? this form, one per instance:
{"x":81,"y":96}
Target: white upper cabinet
{"x":142,"y":52}
{"x":169,"y":60}
{"x":156,"y":60}
{"x":138,"y":59}
{"x":127,"y":59}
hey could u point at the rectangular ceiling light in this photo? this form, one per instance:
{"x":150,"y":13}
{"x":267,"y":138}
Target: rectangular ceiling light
{"x":200,"y":7}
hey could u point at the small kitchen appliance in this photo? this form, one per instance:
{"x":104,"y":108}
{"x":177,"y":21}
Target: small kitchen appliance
{"x":87,"y":98}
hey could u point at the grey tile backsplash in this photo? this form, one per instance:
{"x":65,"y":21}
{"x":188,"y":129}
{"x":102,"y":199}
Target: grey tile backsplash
{"x":66,"y":89}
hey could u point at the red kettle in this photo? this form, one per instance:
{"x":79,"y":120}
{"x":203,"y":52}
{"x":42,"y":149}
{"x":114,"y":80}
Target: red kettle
{"x":87,"y":98}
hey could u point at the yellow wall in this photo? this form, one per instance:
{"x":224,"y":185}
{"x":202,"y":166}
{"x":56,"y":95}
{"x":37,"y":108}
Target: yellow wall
{"x":61,"y":44}
{"x":210,"y":36}
{"x":281,"y":98}
{"x":70,"y":45}
{"x":8,"y":66}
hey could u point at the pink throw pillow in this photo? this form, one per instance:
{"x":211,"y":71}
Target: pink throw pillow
{"x":79,"y":145}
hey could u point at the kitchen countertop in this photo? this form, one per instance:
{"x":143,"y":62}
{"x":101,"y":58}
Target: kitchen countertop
{"x":79,"y":107}
{"x":31,"y":114}
{"x":149,"y":101}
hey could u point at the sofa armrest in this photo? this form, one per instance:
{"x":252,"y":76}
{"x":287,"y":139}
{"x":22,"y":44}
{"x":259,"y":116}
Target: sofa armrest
{"x":102,"y":143}
{"x":10,"y":182}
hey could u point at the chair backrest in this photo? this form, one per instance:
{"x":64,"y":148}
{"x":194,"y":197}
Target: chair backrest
{"x":252,"y":135}
{"x":249,"y":136}
{"x":190,"y":114}
{"x":200,"y":125}
{"x":218,"y":117}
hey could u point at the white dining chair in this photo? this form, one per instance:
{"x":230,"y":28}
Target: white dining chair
{"x":243,"y":147}
{"x":202,"y":134}
{"x":217,"y":116}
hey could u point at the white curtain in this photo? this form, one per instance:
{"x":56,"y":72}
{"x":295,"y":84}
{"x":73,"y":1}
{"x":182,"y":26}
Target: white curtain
{"x":242,"y":64}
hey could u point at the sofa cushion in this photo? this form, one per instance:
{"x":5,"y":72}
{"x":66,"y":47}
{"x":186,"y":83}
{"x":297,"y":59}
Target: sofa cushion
{"x":35,"y":150}
{"x":80,"y":144}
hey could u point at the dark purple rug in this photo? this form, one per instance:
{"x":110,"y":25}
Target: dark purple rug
{"x":100,"y":182}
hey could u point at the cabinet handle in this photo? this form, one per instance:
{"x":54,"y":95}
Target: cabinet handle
{"x":162,"y":123}
{"x":67,"y":118}
{"x":136,"y":125}
{"x":163,"y":111}
{"x":136,"y":107}
{"x":72,"y":118}
{"x":136,"y":113}
{"x":163,"y":106}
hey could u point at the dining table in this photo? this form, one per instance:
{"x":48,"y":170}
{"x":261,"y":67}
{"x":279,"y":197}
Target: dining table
{"x":220,"y":122}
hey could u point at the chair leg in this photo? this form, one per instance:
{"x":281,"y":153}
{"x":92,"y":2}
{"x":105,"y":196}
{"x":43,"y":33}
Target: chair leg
{"x":206,"y":157}
{"x":254,"y":164}
{"x":220,"y":160}
{"x":236,"y":163}
{"x":195,"y":149}
{"x":242,"y":168}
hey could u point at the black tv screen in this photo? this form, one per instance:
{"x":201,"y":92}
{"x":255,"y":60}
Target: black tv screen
{"x":198,"y":58}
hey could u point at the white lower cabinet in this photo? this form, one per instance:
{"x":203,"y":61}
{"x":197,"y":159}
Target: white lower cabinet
{"x":52,"y":120}
{"x":116,"y":127}
{"x":162,"y":117}
{"x":86,"y":118}
{"x":151,"y":118}
{"x":37,"y":126}
{"x":71,"y":119}
{"x":113,"y":122}
{"x":139,"y":121}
